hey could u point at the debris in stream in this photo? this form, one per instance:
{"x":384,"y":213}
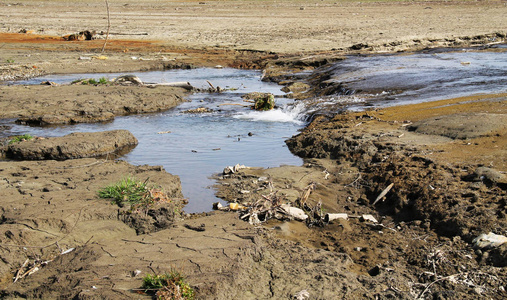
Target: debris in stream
{"x":134,"y":80}
{"x":261,"y":101}
{"x":199,"y":110}
{"x":128,"y":80}
{"x":233,"y":169}
{"x":181,"y":84}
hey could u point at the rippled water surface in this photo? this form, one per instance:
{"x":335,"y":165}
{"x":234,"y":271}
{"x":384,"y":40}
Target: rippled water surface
{"x":385,"y":80}
{"x":197,"y":145}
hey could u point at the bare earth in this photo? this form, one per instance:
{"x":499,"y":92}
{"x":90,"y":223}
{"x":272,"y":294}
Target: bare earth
{"x":446,"y":160}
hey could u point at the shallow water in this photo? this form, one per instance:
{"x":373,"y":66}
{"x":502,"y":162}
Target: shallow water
{"x":386,"y":80}
{"x":199,"y":145}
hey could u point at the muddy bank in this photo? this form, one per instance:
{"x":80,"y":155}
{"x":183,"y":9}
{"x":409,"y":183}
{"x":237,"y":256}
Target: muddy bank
{"x":445,"y":189}
{"x":68,"y":104}
{"x":74,"y":145}
{"x":52,"y":206}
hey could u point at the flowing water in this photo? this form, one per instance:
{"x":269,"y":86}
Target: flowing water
{"x":198,"y":145}
{"x":386,"y":80}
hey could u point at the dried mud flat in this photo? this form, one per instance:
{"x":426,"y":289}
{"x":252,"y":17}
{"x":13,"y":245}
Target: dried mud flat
{"x":445,"y":160}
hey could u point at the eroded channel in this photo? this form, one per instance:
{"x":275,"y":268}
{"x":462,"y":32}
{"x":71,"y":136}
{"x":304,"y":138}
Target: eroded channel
{"x":194,"y":146}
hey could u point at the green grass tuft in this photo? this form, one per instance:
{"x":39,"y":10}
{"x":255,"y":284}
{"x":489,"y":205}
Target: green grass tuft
{"x":20,"y":138}
{"x":127,"y":191}
{"x":170,"y":285}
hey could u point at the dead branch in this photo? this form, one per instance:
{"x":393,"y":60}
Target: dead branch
{"x":108,"y":26}
{"x":18,"y":273}
{"x":306,"y":194}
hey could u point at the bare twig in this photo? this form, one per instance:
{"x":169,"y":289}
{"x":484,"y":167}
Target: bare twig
{"x":355,"y":183}
{"x":433,"y":282}
{"x":308,"y":190}
{"x":18,"y":274}
{"x":108,"y":26}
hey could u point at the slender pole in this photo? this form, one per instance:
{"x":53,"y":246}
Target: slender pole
{"x":108,"y":26}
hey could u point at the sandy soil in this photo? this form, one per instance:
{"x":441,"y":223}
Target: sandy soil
{"x":446,"y":160}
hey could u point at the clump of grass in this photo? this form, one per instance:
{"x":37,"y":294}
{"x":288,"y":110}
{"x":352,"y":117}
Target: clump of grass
{"x":20,"y":138}
{"x":103,"y":80}
{"x":137,"y":194}
{"x":170,"y":285}
{"x":10,"y":60}
{"x":127,"y":191}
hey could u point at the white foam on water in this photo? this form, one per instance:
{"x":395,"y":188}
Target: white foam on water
{"x":289,"y":113}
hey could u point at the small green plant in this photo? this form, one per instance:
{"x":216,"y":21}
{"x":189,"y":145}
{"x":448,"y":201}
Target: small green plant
{"x":91,"y":81}
{"x":20,"y":138}
{"x":265,"y":102}
{"x":127,"y":191}
{"x":10,"y":60}
{"x":170,"y":285}
{"x":103,"y":80}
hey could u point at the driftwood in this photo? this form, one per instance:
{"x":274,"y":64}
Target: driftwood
{"x":19,"y":273}
{"x":384,"y":192}
{"x":182,"y":84}
{"x":128,"y":79}
{"x":265,"y":208}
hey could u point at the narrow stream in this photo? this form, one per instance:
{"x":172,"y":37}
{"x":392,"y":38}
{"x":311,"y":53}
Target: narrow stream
{"x":197,"y":145}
